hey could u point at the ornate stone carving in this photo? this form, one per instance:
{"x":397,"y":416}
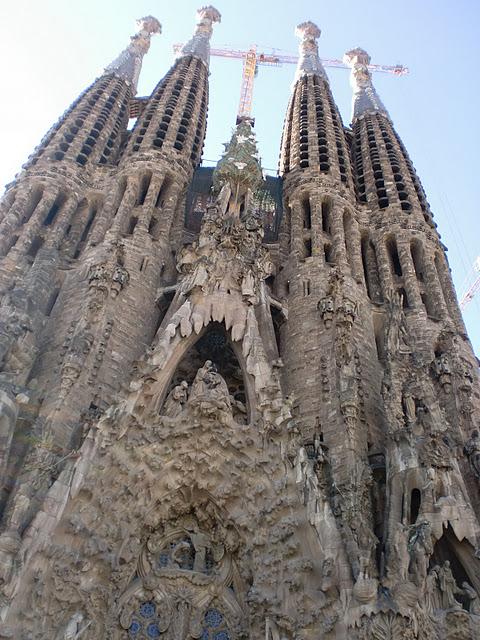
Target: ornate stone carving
{"x":443,"y":371}
{"x":472,"y":451}
{"x":396,"y":330}
{"x":326,"y":307}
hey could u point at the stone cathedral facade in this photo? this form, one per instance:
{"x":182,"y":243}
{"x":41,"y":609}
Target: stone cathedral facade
{"x":231,"y":407}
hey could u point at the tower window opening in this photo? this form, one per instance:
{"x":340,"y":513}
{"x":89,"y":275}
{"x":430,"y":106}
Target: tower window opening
{"x":417,"y":258}
{"x":415,"y":503}
{"x":144,"y":186}
{"x":326,"y":208}
{"x":307,"y":213}
{"x":394,"y":257}
{"x":52,"y":214}
{"x":307,"y":247}
{"x":132,"y":225}
{"x":306,"y":288}
{"x":163,"y":192}
{"x":327,"y":248}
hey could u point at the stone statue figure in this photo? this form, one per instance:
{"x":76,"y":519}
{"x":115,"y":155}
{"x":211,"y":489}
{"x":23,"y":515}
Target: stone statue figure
{"x":209,"y":389}
{"x":420,"y":548}
{"x":432,"y":593}
{"x":448,"y":587}
{"x":400,"y":559}
{"x":396,"y":332}
{"x":74,"y":628}
{"x":472,"y":596}
{"x":176,"y":400}
{"x":472,"y":451}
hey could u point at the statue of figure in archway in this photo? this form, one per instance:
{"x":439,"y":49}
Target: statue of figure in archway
{"x":209,"y":390}
{"x":176,"y":400}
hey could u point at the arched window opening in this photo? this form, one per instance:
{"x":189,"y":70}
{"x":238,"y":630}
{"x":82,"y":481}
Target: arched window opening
{"x":307,"y":213}
{"x":379,"y":332}
{"x":328,"y":251}
{"x":418,"y":261}
{"x":162,"y":194}
{"x":326,"y":209}
{"x":307,"y":244}
{"x":132,"y":224}
{"x":278,"y":320}
{"x":143,"y":190}
{"x":55,"y":208}
{"x":379,"y":499}
{"x":394,"y":257}
{"x":415,"y":503}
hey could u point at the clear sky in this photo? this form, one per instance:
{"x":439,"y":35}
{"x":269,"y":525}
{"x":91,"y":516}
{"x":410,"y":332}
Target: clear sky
{"x":51,"y":50}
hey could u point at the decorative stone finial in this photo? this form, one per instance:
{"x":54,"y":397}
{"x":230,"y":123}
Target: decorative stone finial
{"x":199,"y":44}
{"x":365,"y":98}
{"x":309,"y":61}
{"x":238,"y":172}
{"x":129,"y":62}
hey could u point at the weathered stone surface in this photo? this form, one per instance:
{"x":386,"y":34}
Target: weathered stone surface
{"x":218,"y":438}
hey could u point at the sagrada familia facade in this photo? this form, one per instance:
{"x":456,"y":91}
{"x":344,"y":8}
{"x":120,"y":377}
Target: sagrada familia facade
{"x":232,"y":407}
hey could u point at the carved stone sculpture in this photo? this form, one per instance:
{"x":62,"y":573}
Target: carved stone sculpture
{"x":472,"y":451}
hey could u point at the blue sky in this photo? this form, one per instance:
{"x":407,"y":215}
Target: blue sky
{"x":52,"y":49}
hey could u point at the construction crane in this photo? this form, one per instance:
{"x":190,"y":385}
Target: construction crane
{"x":472,"y":290}
{"x":252,"y":58}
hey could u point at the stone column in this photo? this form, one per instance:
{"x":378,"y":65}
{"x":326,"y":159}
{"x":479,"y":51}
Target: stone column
{"x":63,"y":220}
{"x":383,"y":262}
{"x":409,"y":276}
{"x":338,"y":237}
{"x":149,"y":203}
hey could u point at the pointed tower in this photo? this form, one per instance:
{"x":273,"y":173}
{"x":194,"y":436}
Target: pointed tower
{"x":386,"y":181}
{"x":99,"y":310}
{"x":87,"y":135}
{"x":165,"y":145}
{"x":328,"y":343}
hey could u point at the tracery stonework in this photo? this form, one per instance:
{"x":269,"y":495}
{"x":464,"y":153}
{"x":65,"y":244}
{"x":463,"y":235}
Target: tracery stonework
{"x":261,"y":421}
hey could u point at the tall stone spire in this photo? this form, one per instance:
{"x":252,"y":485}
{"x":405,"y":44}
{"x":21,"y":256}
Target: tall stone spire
{"x":365,"y":98}
{"x":129,"y":63}
{"x":199,"y":45}
{"x":309,"y":62}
